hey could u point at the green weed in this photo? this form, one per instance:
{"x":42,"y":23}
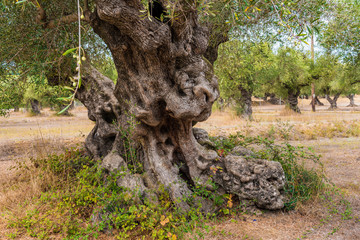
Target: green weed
{"x":80,"y":200}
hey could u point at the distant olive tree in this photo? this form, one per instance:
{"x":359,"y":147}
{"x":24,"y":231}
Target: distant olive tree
{"x":242,"y":68}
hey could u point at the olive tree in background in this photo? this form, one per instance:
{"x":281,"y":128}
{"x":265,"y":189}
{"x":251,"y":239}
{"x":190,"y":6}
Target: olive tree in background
{"x":242,"y":67}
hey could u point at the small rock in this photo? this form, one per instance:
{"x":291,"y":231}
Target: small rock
{"x":242,"y":151}
{"x":202,"y":137}
{"x":113,"y":162}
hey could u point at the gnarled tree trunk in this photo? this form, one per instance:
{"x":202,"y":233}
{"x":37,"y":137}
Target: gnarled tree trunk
{"x":352,"y":102}
{"x":317,"y":101}
{"x":246,"y":103}
{"x":273,"y":99}
{"x":333,"y":102}
{"x":35,"y":106}
{"x":293,"y":101}
{"x":164,"y":85}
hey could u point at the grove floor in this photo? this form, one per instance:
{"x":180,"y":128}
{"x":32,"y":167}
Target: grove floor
{"x":23,"y":136}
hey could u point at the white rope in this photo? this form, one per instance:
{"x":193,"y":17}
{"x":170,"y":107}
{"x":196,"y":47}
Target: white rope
{"x":79,"y":59}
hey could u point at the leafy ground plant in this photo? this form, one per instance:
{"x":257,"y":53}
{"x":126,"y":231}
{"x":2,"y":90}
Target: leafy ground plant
{"x":77,"y":199}
{"x":80,"y":200}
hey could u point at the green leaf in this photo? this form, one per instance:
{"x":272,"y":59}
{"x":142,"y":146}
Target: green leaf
{"x":63,"y":98}
{"x":69,"y":51}
{"x":315,"y":20}
{"x":69,"y":88}
{"x":316,"y":30}
{"x":62,"y":111}
{"x":21,"y":1}
{"x":309,"y":30}
{"x":79,"y":82}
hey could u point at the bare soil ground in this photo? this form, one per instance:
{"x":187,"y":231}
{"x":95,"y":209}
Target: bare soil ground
{"x":22,"y":137}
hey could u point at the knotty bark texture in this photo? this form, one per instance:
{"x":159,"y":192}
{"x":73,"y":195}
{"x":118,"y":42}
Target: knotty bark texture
{"x":352,"y":102}
{"x":246,"y":103}
{"x":318,"y":102}
{"x":35,"y":106}
{"x":292,"y":100}
{"x":333,"y":101}
{"x":165,"y":85}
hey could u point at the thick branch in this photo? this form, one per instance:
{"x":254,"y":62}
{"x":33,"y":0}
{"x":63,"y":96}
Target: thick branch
{"x":86,"y":5}
{"x":109,"y":33}
{"x":96,"y":93}
{"x":41,"y":18}
{"x":216,"y":38}
{"x":147,"y":34}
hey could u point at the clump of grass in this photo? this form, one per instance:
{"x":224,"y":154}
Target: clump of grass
{"x":331,"y":130}
{"x":302,"y":183}
{"x":288,"y":112}
{"x":77,"y":199}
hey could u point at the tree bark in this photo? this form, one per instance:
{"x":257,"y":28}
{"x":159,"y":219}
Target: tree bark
{"x":352,"y":102}
{"x":35,"y":106}
{"x":313,"y":100}
{"x":266,"y":95}
{"x":313,"y":97}
{"x":164,"y":85}
{"x":273,"y":99}
{"x":246,"y":103}
{"x":333,"y":102}
{"x":221,"y":103}
{"x":317,"y":101}
{"x":293,"y":101}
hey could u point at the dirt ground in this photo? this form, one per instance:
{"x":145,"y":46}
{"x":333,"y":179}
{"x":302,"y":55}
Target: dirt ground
{"x":22,"y":136}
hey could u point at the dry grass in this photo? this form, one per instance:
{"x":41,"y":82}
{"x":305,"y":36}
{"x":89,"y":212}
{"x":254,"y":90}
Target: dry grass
{"x":274,"y":121}
{"x":335,"y":135}
{"x":22,"y":184}
{"x":23,"y":137}
{"x":342,"y":164}
{"x":310,"y":221}
{"x":19,"y":127}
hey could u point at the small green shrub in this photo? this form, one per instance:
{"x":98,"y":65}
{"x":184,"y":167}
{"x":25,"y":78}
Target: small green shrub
{"x":81,"y":201}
